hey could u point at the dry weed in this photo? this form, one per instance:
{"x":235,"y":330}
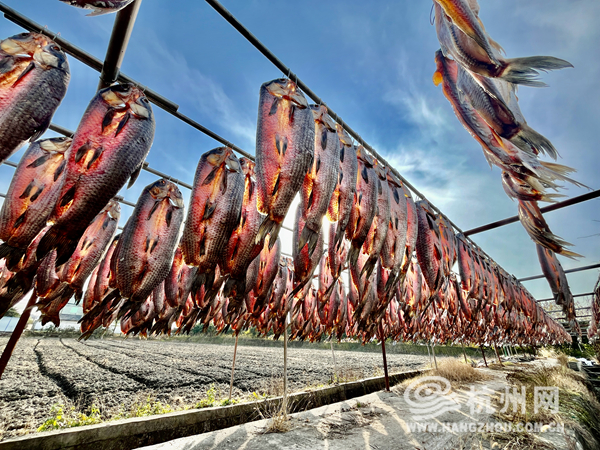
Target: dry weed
{"x":279,"y":419}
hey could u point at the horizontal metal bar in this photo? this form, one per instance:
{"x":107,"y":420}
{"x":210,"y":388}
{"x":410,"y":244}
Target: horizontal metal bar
{"x":3,"y":195}
{"x":578,"y":317}
{"x":560,"y":311}
{"x":149,"y":169}
{"x":552,"y":299}
{"x":577,"y":269}
{"x":61,"y":130}
{"x":10,"y":163}
{"x":500,"y":223}
{"x":123,"y":201}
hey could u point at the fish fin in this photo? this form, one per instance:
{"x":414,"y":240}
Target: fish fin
{"x":560,"y":171}
{"x":268,"y":227}
{"x":135,"y":175}
{"x":28,"y":69}
{"x":309,"y":237}
{"x":529,"y":138}
{"x":209,"y":211}
{"x":526,"y":70}
{"x":13,"y":255}
{"x":353,"y":255}
{"x":41,"y":129}
{"x":368,"y":267}
{"x":122,"y":123}
{"x":99,"y":12}
{"x":65,"y":245}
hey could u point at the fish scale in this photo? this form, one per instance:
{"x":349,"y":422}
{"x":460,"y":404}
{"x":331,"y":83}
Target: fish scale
{"x":215,"y":210}
{"x":147,"y":245}
{"x":285,"y":136}
{"x":31,"y":196}
{"x":31,"y":88}
{"x":100,"y":163}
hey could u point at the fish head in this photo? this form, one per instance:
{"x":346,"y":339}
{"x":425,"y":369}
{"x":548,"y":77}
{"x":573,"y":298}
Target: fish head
{"x":345,"y":139}
{"x":446,"y":69}
{"x":424,"y":204}
{"x":320,"y":114}
{"x":51,"y":57}
{"x":166,"y":190}
{"x":24,"y":44}
{"x":114,"y":209}
{"x":56,"y":145}
{"x":286,"y":89}
{"x":380,"y":170}
{"x":127,"y":95}
{"x":232,"y":164}
{"x":362,"y":155}
{"x":248,"y":166}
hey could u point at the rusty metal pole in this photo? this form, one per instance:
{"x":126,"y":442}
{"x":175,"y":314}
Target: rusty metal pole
{"x":385,"y":366}
{"x":285,"y":379}
{"x":483,"y":353}
{"x":233,"y":365}
{"x":16,"y":334}
{"x":497,"y":355}
{"x":117,"y":46}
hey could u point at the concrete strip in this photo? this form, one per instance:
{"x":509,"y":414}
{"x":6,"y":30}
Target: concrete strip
{"x":137,"y":432}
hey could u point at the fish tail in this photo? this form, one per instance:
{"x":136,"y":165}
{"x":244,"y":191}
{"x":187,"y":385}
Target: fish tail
{"x":529,"y":138}
{"x":309,"y":237}
{"x":235,"y":288}
{"x":569,"y":254}
{"x":368,"y":267}
{"x":64,"y":243}
{"x":13,"y":255}
{"x":270,"y":228}
{"x":353,"y":255}
{"x":526,"y":70}
{"x":551,"y":198}
{"x":560,"y":172}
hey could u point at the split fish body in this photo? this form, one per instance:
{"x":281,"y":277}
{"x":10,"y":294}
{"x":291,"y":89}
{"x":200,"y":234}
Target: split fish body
{"x":321,"y":180}
{"x":242,"y":247}
{"x":109,"y":147}
{"x":147,"y":245}
{"x":342,"y":199}
{"x":364,"y":204}
{"x":34,"y":76}
{"x":285,"y":138}
{"x":99,"y":7}
{"x":31,"y":197}
{"x":214,"y":212}
{"x":429,"y":248}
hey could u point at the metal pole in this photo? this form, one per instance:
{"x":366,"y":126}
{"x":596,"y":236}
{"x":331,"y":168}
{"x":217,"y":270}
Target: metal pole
{"x":577,"y":269}
{"x":464,"y":353}
{"x":285,"y":380}
{"x":552,"y":299}
{"x":117,"y":45}
{"x":483,"y":353}
{"x":233,"y":365}
{"x":385,"y":366}
{"x":434,"y":358}
{"x":553,"y":207}
{"x":497,"y":355}
{"x":17,"y":332}
{"x":335,"y":373}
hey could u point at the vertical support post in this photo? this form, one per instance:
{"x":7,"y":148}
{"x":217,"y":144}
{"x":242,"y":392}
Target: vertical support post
{"x":16,"y":334}
{"x":428,"y":352}
{"x":464,"y":353}
{"x":498,"y":355}
{"x":119,"y":39}
{"x":434,"y":358}
{"x":233,"y":365}
{"x":483,"y":353}
{"x":385,"y":366}
{"x":285,"y":379}
{"x":335,"y":373}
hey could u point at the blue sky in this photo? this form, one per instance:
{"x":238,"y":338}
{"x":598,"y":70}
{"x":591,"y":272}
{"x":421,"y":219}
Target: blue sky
{"x":372,"y":63}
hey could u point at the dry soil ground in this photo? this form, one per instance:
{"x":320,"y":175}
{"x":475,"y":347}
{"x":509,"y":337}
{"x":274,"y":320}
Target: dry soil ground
{"x":112,"y":374}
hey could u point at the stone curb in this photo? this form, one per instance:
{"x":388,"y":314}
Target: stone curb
{"x":138,"y":432}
